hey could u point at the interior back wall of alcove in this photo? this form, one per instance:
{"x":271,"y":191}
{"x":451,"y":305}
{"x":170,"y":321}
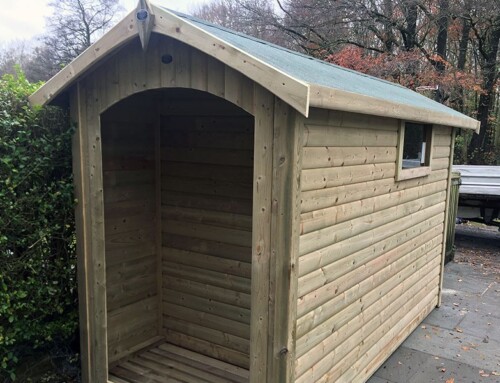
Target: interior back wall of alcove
{"x":207,"y":173}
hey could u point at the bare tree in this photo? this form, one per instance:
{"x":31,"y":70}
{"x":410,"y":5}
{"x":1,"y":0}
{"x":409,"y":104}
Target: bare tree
{"x":253,"y":17}
{"x":73,"y":26}
{"x":487,"y":35}
{"x":16,"y":54}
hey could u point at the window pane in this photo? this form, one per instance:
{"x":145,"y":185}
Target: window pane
{"x":414,"y":146}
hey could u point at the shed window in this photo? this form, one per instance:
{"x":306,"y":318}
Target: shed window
{"x":415,"y":144}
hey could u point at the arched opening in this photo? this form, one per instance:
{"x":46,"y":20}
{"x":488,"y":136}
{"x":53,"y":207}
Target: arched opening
{"x":178,"y":184}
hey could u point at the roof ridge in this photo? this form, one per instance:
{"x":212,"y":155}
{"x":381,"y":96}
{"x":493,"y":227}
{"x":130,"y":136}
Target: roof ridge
{"x":243,"y":35}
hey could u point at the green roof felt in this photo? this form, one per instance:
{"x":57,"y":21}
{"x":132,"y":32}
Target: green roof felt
{"x":316,"y":72}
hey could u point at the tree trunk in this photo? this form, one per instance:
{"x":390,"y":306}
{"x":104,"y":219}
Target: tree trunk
{"x":464,"y":43}
{"x":410,"y":33}
{"x":462,"y":59}
{"x":442,"y":40}
{"x":389,"y":38}
{"x":482,"y":144}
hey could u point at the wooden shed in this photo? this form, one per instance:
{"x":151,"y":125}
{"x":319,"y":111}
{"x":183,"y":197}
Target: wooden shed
{"x":247,"y":213}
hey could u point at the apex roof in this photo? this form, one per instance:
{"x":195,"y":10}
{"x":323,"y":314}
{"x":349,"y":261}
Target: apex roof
{"x":301,"y":81}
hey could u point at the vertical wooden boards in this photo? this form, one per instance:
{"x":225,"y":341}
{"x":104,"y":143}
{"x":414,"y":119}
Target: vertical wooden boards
{"x":285,"y":231}
{"x":261,"y":233}
{"x":216,"y":79}
{"x":199,"y":76}
{"x":153,"y":63}
{"x":130,"y":71}
{"x":182,"y":63}
{"x":77,"y":116}
{"x":447,"y":214}
{"x":97,"y":269}
{"x":167,"y":71}
{"x":131,"y":222}
{"x":369,"y":245}
{"x":207,"y":230}
{"x":295,"y":92}
{"x":90,"y":231}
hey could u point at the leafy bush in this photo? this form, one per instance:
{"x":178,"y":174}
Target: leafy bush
{"x":37,"y":242}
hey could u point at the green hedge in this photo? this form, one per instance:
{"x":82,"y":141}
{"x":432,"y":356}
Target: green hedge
{"x":38,"y":298}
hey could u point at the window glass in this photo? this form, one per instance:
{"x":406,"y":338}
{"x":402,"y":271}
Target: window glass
{"x":415,"y":145}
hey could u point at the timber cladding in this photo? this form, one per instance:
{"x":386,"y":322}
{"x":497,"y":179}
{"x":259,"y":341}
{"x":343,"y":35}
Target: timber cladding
{"x":230,"y":231}
{"x":370,"y":247}
{"x":129,"y":212}
{"x":209,"y":206}
{"x":207,"y":184}
{"x":184,"y":204}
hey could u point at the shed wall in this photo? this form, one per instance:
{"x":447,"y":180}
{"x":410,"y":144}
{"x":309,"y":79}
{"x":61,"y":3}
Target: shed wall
{"x":130,"y":216}
{"x":207,"y":184}
{"x":130,"y":71}
{"x":370,"y":247}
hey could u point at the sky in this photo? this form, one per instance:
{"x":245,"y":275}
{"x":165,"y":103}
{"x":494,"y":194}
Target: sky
{"x":25,"y":19}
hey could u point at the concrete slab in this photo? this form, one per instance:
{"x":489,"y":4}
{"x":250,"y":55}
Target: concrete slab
{"x":481,"y":325}
{"x":456,"y":345}
{"x":442,"y":370}
{"x":445,"y":317}
{"x":402,"y":365}
{"x":466,"y":280}
{"x":376,"y":379}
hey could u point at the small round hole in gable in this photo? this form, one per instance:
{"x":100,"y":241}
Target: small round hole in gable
{"x":166,"y":59}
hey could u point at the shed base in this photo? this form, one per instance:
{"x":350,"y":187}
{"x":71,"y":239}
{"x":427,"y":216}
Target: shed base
{"x":177,"y":364}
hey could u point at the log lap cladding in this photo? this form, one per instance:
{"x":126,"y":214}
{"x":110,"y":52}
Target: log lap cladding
{"x":130,"y":216}
{"x":370,"y":247}
{"x":207,"y":183}
{"x":246,"y":213}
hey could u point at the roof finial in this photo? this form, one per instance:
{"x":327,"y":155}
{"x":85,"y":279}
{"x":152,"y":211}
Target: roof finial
{"x":145,"y":21}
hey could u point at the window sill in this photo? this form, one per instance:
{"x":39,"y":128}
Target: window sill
{"x":406,"y":174}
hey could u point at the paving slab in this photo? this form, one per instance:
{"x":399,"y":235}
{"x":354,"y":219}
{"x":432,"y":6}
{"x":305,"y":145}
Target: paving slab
{"x":456,"y":345}
{"x":402,"y":365}
{"x":485,"y":326}
{"x":466,"y":280}
{"x":438,"y":369}
{"x":376,"y":379}
{"x":446,"y":317}
{"x":458,"y":342}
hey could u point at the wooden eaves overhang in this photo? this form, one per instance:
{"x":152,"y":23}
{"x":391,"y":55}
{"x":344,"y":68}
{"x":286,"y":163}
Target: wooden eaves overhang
{"x":298,"y":93}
